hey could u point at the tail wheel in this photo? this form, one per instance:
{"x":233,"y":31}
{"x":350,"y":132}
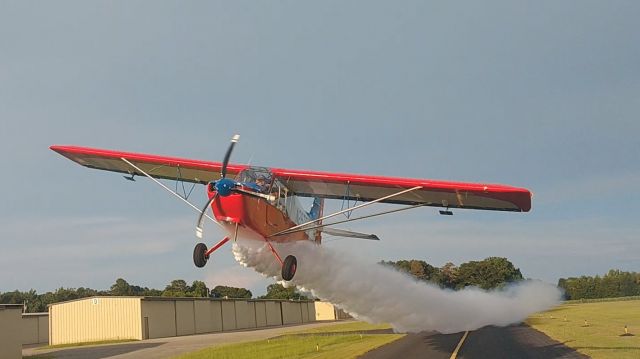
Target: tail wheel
{"x":289,"y":267}
{"x":199,"y":257}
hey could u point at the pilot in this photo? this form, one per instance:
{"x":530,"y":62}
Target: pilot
{"x":261,"y":184}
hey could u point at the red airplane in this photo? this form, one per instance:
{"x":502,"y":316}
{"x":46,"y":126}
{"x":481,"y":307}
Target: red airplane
{"x":262,"y":203}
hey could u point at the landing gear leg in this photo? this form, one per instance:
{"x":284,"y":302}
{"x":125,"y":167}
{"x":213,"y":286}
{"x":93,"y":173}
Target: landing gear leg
{"x":289,"y":265}
{"x":201,"y":253}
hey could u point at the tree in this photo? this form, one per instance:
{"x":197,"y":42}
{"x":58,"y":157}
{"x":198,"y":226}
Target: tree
{"x":489,"y":273}
{"x":448,"y":276}
{"x":278,"y":291}
{"x":151,"y":292}
{"x":614,"y":283}
{"x":422,"y":270}
{"x":121,"y":288}
{"x":222,"y":291}
{"x":65,"y":294}
{"x":417,"y":268}
{"x":177,"y":288}
{"x":199,"y":289}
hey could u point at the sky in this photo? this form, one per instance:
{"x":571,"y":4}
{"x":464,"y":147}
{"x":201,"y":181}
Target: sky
{"x":537,"y":94}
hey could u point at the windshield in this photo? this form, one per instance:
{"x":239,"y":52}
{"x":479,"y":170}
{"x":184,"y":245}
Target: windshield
{"x":260,"y":179}
{"x":254,"y":174}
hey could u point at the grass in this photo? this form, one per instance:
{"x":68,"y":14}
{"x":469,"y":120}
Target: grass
{"x":87,"y":343}
{"x":598,"y":337}
{"x":345,"y":327}
{"x":294,"y":346}
{"x":328,"y":342}
{"x":615,"y":299}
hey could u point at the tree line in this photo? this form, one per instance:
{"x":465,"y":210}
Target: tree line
{"x":492,"y":272}
{"x":488,"y":273}
{"x":613,"y":284}
{"x":35,"y":302}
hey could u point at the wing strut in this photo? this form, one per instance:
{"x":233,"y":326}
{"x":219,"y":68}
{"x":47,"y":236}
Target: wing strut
{"x":323,"y":225}
{"x":345,"y":210}
{"x":169,"y":190}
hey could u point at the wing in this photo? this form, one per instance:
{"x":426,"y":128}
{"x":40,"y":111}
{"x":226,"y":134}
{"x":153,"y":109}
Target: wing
{"x":363,"y":188}
{"x":172,"y":168}
{"x":431,"y":192}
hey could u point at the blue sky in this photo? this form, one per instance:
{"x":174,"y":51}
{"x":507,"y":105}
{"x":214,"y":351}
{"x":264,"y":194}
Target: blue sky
{"x":543,"y":95}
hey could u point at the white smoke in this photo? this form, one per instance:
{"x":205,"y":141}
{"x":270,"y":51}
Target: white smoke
{"x":380,"y":294}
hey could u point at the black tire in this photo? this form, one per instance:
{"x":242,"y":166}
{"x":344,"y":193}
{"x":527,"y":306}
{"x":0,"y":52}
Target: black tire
{"x":199,"y":258}
{"x":289,"y":267}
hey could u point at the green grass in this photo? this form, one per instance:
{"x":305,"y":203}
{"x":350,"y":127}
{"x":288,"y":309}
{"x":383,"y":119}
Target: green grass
{"x":87,"y":343}
{"x":600,"y":337}
{"x":345,"y":327}
{"x":299,"y":346}
{"x":615,"y":299}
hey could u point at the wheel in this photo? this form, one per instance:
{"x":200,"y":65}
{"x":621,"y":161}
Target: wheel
{"x":289,"y":267}
{"x":199,"y":258}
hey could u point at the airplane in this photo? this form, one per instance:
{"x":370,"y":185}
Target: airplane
{"x":262,"y":203}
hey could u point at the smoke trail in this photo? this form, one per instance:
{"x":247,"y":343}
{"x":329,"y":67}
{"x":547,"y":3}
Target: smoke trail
{"x":377,"y":293}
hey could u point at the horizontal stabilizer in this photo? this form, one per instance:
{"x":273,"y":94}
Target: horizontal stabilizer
{"x":342,"y":233}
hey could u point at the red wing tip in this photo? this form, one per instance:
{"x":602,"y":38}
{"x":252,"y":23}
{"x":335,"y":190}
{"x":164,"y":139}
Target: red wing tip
{"x":58,"y":148}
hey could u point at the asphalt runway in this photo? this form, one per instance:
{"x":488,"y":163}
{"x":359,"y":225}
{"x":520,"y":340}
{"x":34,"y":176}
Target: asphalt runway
{"x":517,"y":341}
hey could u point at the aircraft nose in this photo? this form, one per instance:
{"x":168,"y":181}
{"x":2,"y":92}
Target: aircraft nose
{"x":224,"y":186}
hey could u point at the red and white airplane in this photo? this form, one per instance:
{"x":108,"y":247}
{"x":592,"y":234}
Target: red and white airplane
{"x":262,"y":203}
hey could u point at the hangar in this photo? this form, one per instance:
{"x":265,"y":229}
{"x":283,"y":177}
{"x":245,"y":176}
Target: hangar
{"x":137,"y":318}
{"x":35,"y":328}
{"x":327,"y":311}
{"x":10,"y":338}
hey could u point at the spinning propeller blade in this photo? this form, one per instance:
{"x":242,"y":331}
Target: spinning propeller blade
{"x":234,"y":140}
{"x":201,"y":217}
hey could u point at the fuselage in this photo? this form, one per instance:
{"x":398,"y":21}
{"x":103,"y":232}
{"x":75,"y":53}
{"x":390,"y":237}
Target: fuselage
{"x":260,"y":218}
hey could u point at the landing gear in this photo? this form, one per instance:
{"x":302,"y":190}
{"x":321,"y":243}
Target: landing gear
{"x":289,"y":267}
{"x":200,"y":255}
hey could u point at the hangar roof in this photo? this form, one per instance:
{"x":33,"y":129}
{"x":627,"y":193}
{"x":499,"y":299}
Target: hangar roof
{"x":176,"y":298}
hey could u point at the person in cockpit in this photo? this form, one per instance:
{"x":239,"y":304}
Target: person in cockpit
{"x":261,"y":185}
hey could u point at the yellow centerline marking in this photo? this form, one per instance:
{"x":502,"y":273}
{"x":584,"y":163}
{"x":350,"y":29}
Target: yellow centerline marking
{"x":454,"y":355}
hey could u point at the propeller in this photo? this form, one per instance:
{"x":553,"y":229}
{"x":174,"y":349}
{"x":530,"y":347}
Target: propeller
{"x":223,"y":186}
{"x":234,"y":140}
{"x":201,"y":217}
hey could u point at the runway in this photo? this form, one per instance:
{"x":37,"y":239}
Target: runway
{"x":518,"y":341}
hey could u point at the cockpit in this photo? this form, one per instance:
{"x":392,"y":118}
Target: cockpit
{"x":260,"y":179}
